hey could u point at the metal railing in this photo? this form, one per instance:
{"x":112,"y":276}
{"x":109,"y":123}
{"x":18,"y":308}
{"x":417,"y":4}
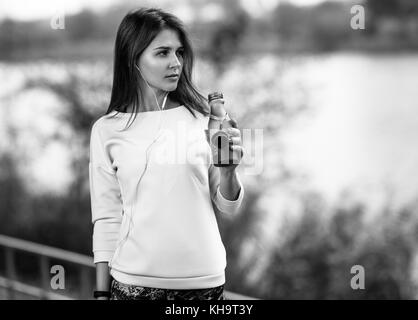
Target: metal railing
{"x":43,"y":254}
{"x":13,"y":287}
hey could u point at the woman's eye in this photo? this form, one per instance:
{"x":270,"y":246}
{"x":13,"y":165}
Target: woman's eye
{"x":165,"y":53}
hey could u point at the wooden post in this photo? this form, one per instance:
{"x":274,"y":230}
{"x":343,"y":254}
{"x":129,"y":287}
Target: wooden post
{"x":45,"y":276}
{"x":85,"y":284}
{"x":10,"y":272}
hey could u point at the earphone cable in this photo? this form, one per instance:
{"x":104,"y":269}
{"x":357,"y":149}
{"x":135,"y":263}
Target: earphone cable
{"x":130,"y":216}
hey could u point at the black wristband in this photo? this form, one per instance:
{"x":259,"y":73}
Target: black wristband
{"x":98,"y":294}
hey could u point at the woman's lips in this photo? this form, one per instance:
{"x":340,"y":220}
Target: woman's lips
{"x":173,"y":77}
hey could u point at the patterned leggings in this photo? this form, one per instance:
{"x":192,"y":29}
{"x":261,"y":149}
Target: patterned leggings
{"x":121,"y":291}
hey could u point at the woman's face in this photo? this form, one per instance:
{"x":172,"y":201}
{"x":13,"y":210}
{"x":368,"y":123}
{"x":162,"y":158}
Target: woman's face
{"x":161,"y":59}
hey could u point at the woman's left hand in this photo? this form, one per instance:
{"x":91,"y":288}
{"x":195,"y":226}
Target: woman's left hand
{"x":237,"y":148}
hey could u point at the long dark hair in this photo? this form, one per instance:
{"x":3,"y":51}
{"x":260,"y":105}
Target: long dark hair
{"x":136,"y":31}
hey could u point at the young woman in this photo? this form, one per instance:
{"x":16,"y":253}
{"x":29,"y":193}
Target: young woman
{"x":152,"y":182}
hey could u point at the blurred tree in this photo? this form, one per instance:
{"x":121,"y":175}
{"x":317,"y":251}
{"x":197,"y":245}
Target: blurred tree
{"x":315,"y":261}
{"x":82,"y":26}
{"x":235,"y":232}
{"x":299,"y":268}
{"x":290,"y":21}
{"x":49,"y":218}
{"x":402,"y":11}
{"x":394,"y":8}
{"x":8,"y":38}
{"x":329,"y":26}
{"x":322,"y":27}
{"x":225,"y":40}
{"x":12,"y":190}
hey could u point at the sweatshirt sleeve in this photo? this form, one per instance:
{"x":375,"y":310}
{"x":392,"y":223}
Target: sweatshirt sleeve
{"x":227,"y":207}
{"x":106,"y":202}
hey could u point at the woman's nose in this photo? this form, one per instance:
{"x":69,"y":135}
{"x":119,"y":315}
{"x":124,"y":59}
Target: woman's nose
{"x":175,"y":62}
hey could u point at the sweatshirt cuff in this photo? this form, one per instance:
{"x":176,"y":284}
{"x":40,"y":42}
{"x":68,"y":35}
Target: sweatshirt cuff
{"x":102,"y":256}
{"x":229,"y":206}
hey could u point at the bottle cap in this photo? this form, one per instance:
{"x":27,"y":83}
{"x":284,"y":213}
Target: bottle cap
{"x":215,"y":95}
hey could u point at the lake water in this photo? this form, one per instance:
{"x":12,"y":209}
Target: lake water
{"x":359,"y":133}
{"x":364,"y":129}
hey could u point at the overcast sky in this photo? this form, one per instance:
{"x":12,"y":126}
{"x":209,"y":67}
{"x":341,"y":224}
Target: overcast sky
{"x":31,"y":10}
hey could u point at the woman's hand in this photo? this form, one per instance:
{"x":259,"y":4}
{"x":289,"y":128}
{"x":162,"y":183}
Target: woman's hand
{"x":237,"y":148}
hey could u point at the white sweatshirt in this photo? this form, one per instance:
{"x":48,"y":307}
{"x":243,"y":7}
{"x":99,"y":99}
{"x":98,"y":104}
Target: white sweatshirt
{"x":163,"y":231}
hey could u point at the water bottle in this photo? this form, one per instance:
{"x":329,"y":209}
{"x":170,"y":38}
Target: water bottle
{"x":219,"y":139}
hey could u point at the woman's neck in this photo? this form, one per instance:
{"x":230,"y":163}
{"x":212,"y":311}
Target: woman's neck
{"x":152,"y":106}
{"x":150,"y":101}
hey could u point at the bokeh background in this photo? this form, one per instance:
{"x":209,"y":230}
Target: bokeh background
{"x":338,"y":109}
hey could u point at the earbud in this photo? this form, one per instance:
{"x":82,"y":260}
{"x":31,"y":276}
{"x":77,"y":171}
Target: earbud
{"x":138,"y":69}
